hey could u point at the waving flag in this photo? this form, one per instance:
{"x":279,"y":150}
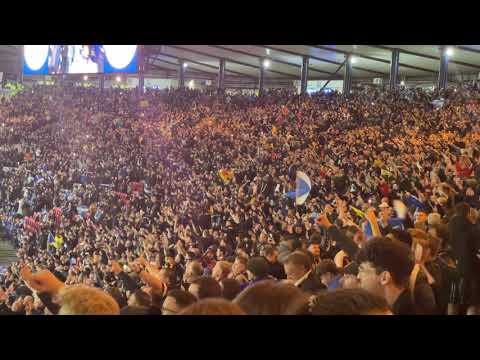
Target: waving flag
{"x":357,"y":212}
{"x":57,"y":212}
{"x":226,"y":175}
{"x":58,"y":241}
{"x":123,"y":197}
{"x":385,"y":173}
{"x":414,"y":202}
{"x":51,"y":239}
{"x":302,"y":190}
{"x":82,"y":211}
{"x":31,"y":225}
{"x":304,"y":186}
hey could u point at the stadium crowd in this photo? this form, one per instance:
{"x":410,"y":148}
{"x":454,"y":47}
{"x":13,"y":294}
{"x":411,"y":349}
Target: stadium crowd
{"x":176,"y":202}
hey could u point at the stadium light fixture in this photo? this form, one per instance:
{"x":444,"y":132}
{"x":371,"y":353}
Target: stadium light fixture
{"x":402,"y":83}
{"x":266,"y":63}
{"x":185,"y":65}
{"x":85,"y":77}
{"x":449,"y":51}
{"x":118,"y":79}
{"x":267,"y":51}
{"x":353,"y":60}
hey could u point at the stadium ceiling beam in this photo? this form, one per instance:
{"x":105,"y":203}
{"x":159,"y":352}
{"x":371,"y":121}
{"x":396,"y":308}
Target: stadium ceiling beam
{"x":158,"y":67}
{"x":373,"y":58}
{"x":177,"y":64}
{"x":191,"y":70}
{"x":414,"y":53}
{"x":231,"y":60}
{"x":269,"y":58}
{"x":323,"y":59}
{"x":203,"y":64}
{"x":333,"y":75}
{"x":465,"y":48}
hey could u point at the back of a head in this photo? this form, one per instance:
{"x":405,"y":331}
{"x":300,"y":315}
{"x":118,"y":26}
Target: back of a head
{"x":135,"y":310}
{"x":462,"y":210}
{"x":117,"y":295}
{"x":214,"y":306}
{"x":327,"y":266}
{"x":86,"y":300}
{"x":258,"y":266}
{"x":208,"y":288}
{"x":230,"y":288}
{"x":434,"y":219}
{"x":299,"y":258}
{"x":426,"y":241}
{"x":348,"y":302}
{"x":182,"y":298}
{"x":269,"y":250}
{"x":225,"y":267}
{"x":141,"y":298}
{"x":388,"y":255}
{"x":269,"y":298}
{"x":402,"y":236}
{"x":197,"y":269}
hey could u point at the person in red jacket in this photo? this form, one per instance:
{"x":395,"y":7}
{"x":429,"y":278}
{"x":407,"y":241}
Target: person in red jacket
{"x":464,"y":167}
{"x":384,"y":188}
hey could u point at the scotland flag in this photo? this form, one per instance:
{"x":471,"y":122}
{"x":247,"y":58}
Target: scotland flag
{"x":303,"y":187}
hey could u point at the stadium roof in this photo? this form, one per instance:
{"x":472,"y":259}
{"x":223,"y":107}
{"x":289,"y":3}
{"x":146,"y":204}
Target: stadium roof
{"x":243,"y":61}
{"x":371,"y":61}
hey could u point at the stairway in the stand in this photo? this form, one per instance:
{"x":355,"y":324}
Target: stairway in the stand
{"x":7,"y":253}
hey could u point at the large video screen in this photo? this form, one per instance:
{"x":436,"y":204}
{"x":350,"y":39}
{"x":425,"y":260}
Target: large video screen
{"x":79,"y":59}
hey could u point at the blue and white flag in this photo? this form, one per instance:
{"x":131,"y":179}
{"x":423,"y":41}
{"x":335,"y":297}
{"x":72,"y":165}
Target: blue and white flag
{"x":304,"y":186}
{"x":51,"y":239}
{"x":82,"y":211}
{"x":302,"y":190}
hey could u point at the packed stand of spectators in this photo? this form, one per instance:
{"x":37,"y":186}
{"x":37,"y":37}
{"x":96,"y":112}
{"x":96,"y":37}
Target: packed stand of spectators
{"x":175,"y":202}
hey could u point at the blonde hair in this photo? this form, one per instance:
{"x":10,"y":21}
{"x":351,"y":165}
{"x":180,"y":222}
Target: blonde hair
{"x":425,"y":240}
{"x":86,"y":300}
{"x":434,"y":219}
{"x":225,"y":266}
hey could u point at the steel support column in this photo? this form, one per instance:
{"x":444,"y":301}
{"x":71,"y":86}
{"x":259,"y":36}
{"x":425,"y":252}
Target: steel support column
{"x":394,"y":69}
{"x":221,"y":76}
{"x":4,"y":80}
{"x":347,"y":77}
{"x":261,"y":79}
{"x":102,"y":82}
{"x":304,"y":78}
{"x":443,"y":72}
{"x":141,"y":69}
{"x":20,"y":74}
{"x":181,"y":75}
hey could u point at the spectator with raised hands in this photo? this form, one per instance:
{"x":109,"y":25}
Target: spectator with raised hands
{"x":68,"y":300}
{"x":100,"y":180}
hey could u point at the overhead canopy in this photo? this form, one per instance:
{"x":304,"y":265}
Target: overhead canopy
{"x":285,"y":61}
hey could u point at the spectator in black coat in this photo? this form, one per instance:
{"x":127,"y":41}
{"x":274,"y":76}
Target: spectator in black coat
{"x":275,"y":269}
{"x":298,"y":267}
{"x":464,"y":240}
